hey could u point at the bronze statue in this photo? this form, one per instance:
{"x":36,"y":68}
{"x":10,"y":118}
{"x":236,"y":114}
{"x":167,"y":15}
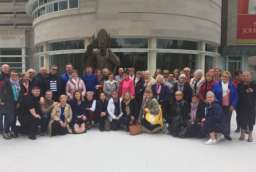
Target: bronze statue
{"x":103,"y":57}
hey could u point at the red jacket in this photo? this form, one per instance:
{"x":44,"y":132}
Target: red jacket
{"x":126,"y":85}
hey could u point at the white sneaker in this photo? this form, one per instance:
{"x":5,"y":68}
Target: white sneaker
{"x":211,"y":142}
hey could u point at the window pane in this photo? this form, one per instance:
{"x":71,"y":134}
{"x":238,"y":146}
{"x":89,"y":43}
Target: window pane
{"x":10,"y":51}
{"x":211,"y":48}
{"x":136,"y":60}
{"x":73,"y":3}
{"x":10,"y":59}
{"x":172,"y":61}
{"x":63,"y":5}
{"x":129,"y":43}
{"x":56,"y":6}
{"x":176,"y":44}
{"x":66,"y":45}
{"x":209,"y":60}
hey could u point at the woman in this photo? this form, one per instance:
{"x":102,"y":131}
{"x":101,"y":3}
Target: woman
{"x":179,"y":116}
{"x":152,"y":118}
{"x":90,"y":108}
{"x":115,"y":111}
{"x":246,"y":106}
{"x":149,"y":80}
{"x":139,"y":91}
{"x":78,"y":111}
{"x":196,"y":116}
{"x":214,"y":121}
{"x":61,"y":118}
{"x":126,"y":85}
{"x":102,"y":113}
{"x":183,"y":86}
{"x":197,"y":81}
{"x":9,"y":97}
{"x":226,"y":94}
{"x":206,"y":86}
{"x":75,"y":84}
{"x":129,"y":110}
{"x":110,"y":85}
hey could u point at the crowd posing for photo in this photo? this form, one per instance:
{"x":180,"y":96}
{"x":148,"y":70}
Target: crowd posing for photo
{"x":179,"y":102}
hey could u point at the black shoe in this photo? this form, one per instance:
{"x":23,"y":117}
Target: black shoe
{"x":7,"y":136}
{"x":237,"y":130}
{"x":32,"y":137}
{"x":228,"y":138}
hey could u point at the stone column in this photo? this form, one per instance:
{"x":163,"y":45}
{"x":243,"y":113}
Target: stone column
{"x":200,"y":59}
{"x":46,"y":56}
{"x":23,"y":59}
{"x":152,"y":54}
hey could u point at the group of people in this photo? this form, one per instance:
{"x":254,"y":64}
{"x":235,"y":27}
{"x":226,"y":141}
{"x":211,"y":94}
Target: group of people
{"x":178,"y":102}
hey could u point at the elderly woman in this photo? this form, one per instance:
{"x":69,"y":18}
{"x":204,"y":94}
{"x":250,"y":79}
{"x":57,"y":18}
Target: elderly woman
{"x":179,"y":116}
{"x":110,"y":85}
{"x":197,"y":81}
{"x":61,"y":118}
{"x":75,"y":84}
{"x":214,"y":121}
{"x":206,"y":86}
{"x":151,"y":118}
{"x":246,"y":106}
{"x":129,"y":110}
{"x":226,"y":95}
{"x":184,"y":87}
{"x":149,"y":80}
{"x":126,"y":85}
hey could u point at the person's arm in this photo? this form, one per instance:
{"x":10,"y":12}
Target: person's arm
{"x":68,"y":90}
{"x":69,"y":115}
{"x":93,"y":107}
{"x":132,"y":88}
{"x":83,"y":88}
{"x":34,"y":114}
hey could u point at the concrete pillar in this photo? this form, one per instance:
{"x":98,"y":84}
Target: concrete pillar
{"x":200,"y":59}
{"x":152,"y":54}
{"x":46,"y":56}
{"x":23,"y":59}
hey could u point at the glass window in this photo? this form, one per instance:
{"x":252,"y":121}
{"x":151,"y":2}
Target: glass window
{"x":137,"y":60}
{"x":173,"y":61}
{"x":66,"y":45}
{"x":209,"y":62}
{"x":10,"y":59}
{"x":10,"y":51}
{"x":211,"y":48}
{"x":176,"y":44}
{"x":56,"y":6}
{"x":78,"y":60}
{"x":129,"y":43}
{"x":73,"y":3}
{"x":63,"y":5}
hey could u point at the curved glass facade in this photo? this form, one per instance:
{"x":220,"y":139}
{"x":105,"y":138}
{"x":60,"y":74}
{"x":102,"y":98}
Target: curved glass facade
{"x":135,"y":52}
{"x":42,"y":7}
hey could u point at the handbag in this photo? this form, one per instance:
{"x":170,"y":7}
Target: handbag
{"x":135,"y":129}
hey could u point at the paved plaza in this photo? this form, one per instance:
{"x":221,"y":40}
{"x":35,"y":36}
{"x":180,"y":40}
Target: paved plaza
{"x":120,"y":152}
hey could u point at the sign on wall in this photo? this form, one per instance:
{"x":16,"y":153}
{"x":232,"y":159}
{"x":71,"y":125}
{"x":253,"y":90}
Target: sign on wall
{"x":246,"y":22}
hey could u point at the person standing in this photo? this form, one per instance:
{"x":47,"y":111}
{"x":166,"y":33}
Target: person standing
{"x":65,"y":77}
{"x":110,"y":85}
{"x":246,"y":105}
{"x":126,"y":85}
{"x":226,"y":94}
{"x":75,"y":84}
{"x":40,"y":80}
{"x":9,"y":99}
{"x":53,"y":82}
{"x":90,"y":79}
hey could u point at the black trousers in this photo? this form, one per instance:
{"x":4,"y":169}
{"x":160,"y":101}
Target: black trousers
{"x":102,"y":123}
{"x":228,"y":116}
{"x":57,"y":129}
{"x":33,"y":124}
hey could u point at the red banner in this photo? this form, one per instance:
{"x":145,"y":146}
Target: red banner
{"x":246,"y":23}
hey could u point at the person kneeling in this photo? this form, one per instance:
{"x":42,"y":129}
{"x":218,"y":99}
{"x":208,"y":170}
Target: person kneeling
{"x":61,"y":117}
{"x":214,"y":121}
{"x":78,"y":110}
{"x":102,"y":114}
{"x":152,"y":118}
{"x":115,"y":111}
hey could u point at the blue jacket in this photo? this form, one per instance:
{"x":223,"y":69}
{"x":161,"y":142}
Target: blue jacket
{"x":90,"y":82}
{"x":165,"y":93}
{"x":217,"y":89}
{"x":63,"y":81}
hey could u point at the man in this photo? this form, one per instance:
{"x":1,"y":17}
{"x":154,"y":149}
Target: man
{"x":5,"y":74}
{"x":90,"y":79}
{"x":47,"y":104}
{"x":33,"y":113}
{"x":53,"y":82}
{"x":162,"y":93}
{"x":40,"y":80}
{"x":65,"y":77}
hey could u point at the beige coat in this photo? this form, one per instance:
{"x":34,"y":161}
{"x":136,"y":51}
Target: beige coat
{"x":55,"y":116}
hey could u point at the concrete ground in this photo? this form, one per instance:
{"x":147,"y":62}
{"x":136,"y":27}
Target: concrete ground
{"x":120,"y":152}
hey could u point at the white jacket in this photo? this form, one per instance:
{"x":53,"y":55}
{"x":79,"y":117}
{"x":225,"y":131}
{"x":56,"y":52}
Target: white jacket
{"x":111,"y":110}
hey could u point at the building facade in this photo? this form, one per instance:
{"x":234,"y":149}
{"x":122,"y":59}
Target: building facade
{"x":239,"y":35}
{"x":16,"y":36}
{"x":146,"y":34}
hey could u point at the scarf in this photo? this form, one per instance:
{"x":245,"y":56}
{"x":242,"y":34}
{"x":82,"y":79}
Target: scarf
{"x":15,"y":89}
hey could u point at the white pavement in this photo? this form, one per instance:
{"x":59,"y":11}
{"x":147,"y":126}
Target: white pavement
{"x":118,"y":152}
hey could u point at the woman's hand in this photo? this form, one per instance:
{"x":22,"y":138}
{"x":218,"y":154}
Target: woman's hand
{"x":102,"y":114}
{"x":146,"y":110}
